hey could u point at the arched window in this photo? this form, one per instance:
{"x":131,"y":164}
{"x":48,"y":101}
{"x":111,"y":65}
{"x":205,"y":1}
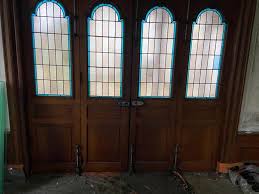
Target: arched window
{"x":205,"y":55}
{"x":51,"y":46}
{"x":105,"y":52}
{"x":157,"y":53}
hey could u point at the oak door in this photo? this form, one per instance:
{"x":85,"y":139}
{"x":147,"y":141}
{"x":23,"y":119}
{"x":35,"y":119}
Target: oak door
{"x":157,"y":53}
{"x":52,"y":73}
{"x":105,"y":55}
{"x":115,"y":75}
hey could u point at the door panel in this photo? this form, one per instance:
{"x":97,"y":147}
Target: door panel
{"x":53,"y":119}
{"x":153,"y":124}
{"x":105,"y":123}
{"x":154,"y":134}
{"x":201,"y":120}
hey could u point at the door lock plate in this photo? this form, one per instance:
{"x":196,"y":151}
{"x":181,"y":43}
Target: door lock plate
{"x":123,"y":104}
{"x":137,"y":103}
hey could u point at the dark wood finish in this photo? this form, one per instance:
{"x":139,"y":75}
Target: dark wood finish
{"x":247,"y":148}
{"x":200,"y":121}
{"x":54,"y":122}
{"x":153,"y":125}
{"x":205,"y":129}
{"x":236,"y":81}
{"x":105,"y":125}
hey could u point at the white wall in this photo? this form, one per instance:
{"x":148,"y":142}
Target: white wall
{"x":2,"y":71}
{"x":249,"y":119}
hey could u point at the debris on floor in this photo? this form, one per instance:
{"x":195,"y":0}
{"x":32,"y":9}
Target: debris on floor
{"x":246,"y":177}
{"x":146,"y":183}
{"x":211,"y":183}
{"x":118,"y":183}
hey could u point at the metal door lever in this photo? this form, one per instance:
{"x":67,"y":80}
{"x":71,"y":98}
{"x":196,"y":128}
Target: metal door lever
{"x":124,"y":104}
{"x":137,"y":103}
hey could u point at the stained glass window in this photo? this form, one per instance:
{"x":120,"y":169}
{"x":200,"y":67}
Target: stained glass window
{"x":157,"y":53}
{"x":105,"y":52}
{"x":51,"y":46}
{"x":205,"y":55}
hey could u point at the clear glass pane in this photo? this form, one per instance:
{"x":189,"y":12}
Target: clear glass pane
{"x":91,"y":27}
{"x":66,"y":60}
{"x":53,"y":87}
{"x":39,"y":71}
{"x":105,"y":28}
{"x":52,"y":57}
{"x":36,"y":24}
{"x":58,"y":41}
{"x":53,"y":72}
{"x":205,"y":55}
{"x":44,"y":41}
{"x":57,"y":10}
{"x":58,"y":57}
{"x":46,"y":72}
{"x":45,"y":56}
{"x":105,"y":53}
{"x":57,"y":25}
{"x":65,"y":42}
{"x":38,"y":56}
{"x":155,"y":74}
{"x":52,"y":43}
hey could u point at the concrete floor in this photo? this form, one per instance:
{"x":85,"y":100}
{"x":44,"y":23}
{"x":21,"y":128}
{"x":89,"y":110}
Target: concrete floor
{"x":155,"y":183}
{"x":205,"y":183}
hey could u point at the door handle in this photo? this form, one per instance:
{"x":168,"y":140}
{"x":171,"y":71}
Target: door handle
{"x":137,"y":103}
{"x":124,"y":104}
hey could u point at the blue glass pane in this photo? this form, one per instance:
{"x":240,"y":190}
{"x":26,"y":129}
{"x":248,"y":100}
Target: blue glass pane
{"x":216,"y":64}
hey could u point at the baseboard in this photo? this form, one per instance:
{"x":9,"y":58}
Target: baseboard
{"x":224,"y":167}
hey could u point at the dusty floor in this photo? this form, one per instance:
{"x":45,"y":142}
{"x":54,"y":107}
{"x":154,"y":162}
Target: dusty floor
{"x":205,"y":183}
{"x":155,"y":183}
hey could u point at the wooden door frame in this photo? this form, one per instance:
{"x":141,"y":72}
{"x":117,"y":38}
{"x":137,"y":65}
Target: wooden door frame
{"x":18,"y":155}
{"x":228,"y":150}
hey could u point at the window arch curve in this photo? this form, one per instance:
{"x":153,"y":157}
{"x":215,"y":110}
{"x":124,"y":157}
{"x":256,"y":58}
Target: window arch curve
{"x":205,"y":58}
{"x":158,"y":31}
{"x":105,"y":52}
{"x":51,"y":49}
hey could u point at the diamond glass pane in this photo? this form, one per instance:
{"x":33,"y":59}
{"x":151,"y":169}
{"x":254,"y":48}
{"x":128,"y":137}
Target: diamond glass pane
{"x":156,"y":54}
{"x":205,"y":55}
{"x":105,"y":52}
{"x":51,"y":45}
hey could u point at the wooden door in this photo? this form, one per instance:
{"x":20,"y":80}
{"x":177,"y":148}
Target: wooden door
{"x":53,"y":99}
{"x":201,"y":115}
{"x":125,"y":82}
{"x":105,"y":57}
{"x":158,"y":52}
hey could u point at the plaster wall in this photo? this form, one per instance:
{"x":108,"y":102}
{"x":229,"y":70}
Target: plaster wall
{"x":249,"y":118}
